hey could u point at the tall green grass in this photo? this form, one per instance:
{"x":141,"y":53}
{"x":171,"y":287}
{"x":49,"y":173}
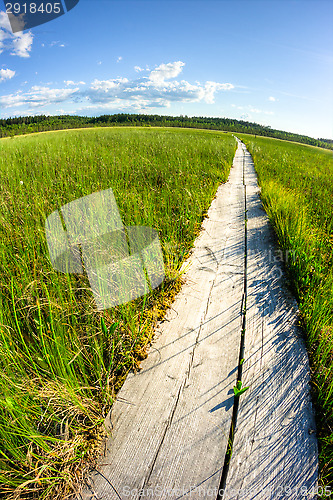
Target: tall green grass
{"x":60,"y":362}
{"x":297,"y":191}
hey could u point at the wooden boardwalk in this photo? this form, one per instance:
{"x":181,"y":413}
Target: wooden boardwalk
{"x":171,"y":423}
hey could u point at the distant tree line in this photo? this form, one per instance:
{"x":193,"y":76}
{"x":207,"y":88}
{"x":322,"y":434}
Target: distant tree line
{"x":29,"y":124}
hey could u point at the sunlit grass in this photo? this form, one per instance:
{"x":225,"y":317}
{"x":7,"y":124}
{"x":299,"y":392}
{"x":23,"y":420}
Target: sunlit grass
{"x":60,"y":366}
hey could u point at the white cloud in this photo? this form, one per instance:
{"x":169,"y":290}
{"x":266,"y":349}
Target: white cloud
{"x":254,"y":110}
{"x":165,"y":72}
{"x":54,"y":43}
{"x":106,"y":85}
{"x":22,"y":44}
{"x":19,"y":44}
{"x":273,"y":99}
{"x":70,"y":82}
{"x":6,"y":74}
{"x":37,"y":97}
{"x":251,"y":109}
{"x":144,"y":93}
{"x":149,"y":91}
{"x":260,"y":111}
{"x":212,"y":87}
{"x":4,"y":21}
{"x":138,"y":69}
{"x":119,"y":59}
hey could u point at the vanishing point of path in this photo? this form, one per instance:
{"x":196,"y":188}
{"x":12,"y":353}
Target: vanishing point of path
{"x":174,"y":422}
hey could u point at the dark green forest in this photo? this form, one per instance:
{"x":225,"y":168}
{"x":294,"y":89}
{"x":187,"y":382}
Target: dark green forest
{"x":29,"y":124}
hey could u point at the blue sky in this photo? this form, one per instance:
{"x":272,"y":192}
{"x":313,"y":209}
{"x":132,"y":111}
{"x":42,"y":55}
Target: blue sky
{"x":265,"y":61}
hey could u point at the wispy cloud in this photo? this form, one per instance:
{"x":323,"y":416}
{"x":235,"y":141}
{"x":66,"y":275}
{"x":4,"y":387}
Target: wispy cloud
{"x":55,"y":43}
{"x":119,"y":59}
{"x":251,"y":109}
{"x":260,"y":111}
{"x":272,"y":99}
{"x":156,"y":90}
{"x":138,"y":69}
{"x":37,"y":97}
{"x":6,"y":74}
{"x":70,"y":82}
{"x":18,"y":44}
{"x":106,"y":86}
{"x":297,"y":96}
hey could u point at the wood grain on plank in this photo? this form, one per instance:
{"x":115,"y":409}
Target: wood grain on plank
{"x":171,"y":421}
{"x":275,"y":448}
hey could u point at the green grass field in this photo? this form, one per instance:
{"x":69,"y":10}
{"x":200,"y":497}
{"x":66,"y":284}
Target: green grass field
{"x":60,"y":366}
{"x":297,"y":191}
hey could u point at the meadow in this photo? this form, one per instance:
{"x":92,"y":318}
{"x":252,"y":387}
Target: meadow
{"x":297,"y":191}
{"x":61,"y":361}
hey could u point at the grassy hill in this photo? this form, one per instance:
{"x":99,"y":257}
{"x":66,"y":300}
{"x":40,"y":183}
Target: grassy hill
{"x":29,"y":124}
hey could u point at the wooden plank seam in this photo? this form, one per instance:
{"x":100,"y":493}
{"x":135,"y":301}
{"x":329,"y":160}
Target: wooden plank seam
{"x":233,"y":425}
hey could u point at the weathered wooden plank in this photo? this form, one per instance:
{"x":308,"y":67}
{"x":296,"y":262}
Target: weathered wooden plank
{"x":275,"y":448}
{"x":171,"y":421}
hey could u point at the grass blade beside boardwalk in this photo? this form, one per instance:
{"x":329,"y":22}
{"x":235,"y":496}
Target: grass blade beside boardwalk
{"x":59,"y":370}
